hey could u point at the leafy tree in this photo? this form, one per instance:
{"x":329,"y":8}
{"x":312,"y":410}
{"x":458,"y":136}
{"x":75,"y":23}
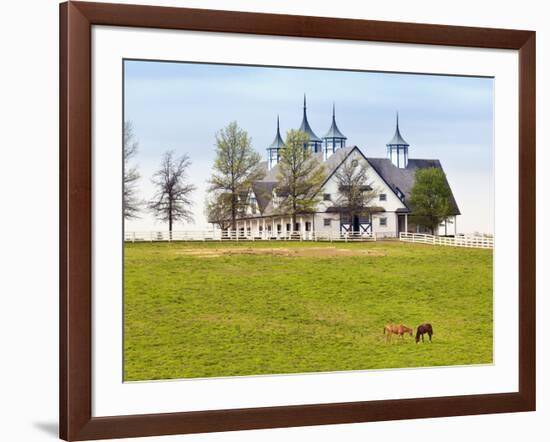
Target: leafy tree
{"x":300,"y":177}
{"x":355,"y":188}
{"x":218,"y":210}
{"x":172,"y":201}
{"x":430,"y":198}
{"x":132,"y":204}
{"x":236,"y":166}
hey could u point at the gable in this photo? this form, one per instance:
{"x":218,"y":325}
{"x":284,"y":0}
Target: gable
{"x":331,"y":185}
{"x":263,"y":191}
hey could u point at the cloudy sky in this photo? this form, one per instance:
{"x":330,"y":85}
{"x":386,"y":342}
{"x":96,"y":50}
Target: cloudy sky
{"x":181,"y":106}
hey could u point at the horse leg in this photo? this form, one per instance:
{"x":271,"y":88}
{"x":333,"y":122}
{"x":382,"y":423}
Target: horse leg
{"x":430,"y":335}
{"x":422,"y":337}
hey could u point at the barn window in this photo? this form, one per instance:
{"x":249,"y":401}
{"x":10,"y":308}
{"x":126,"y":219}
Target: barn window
{"x":383,"y":221}
{"x":326,"y":196}
{"x":326,"y":222}
{"x":382,"y":197}
{"x":354,"y":163}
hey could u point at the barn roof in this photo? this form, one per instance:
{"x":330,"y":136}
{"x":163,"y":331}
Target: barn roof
{"x":401,"y":180}
{"x":263,"y":191}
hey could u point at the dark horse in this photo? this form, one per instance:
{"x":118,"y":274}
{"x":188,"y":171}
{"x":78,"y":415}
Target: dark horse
{"x":424,"y":328}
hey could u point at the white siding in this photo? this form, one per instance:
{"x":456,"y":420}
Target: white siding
{"x":450,"y":227}
{"x":391,"y":204}
{"x":387,"y":231}
{"x":333,"y":229}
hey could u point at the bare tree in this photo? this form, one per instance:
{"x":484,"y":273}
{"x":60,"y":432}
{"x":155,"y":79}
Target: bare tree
{"x":236,"y":166}
{"x":355,"y":189}
{"x":132,"y":204}
{"x":218,"y":210}
{"x":300,"y":177}
{"x":172,"y":201}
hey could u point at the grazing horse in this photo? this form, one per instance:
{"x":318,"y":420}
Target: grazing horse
{"x":400,"y":330}
{"x":424,"y":328}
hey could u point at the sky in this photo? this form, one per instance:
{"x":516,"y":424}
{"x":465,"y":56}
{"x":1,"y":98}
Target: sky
{"x":181,"y":106}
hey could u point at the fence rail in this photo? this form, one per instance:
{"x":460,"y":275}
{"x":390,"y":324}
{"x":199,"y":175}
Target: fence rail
{"x":479,"y":242}
{"x":232,"y":235}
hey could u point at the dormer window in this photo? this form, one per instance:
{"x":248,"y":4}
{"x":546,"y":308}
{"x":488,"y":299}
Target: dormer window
{"x":400,"y":194}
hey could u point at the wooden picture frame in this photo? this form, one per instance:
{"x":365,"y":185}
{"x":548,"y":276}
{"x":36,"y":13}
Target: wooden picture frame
{"x":76,"y":21}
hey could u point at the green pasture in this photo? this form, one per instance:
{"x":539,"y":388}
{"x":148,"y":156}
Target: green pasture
{"x":203,"y":309}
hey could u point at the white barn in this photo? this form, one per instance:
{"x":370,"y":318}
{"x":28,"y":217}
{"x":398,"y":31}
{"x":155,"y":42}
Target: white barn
{"x":392,"y":177}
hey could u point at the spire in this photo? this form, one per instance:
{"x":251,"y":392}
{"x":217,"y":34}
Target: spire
{"x":398,"y":148}
{"x":333,"y":131}
{"x":304,"y":116}
{"x":397,"y":139}
{"x":278,"y":141}
{"x":305,"y":127}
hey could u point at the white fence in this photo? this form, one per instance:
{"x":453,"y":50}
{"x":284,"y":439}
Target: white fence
{"x":479,"y":242}
{"x":232,"y":235}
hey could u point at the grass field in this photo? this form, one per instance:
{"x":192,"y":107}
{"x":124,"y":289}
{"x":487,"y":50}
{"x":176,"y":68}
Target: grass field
{"x":228,"y":309}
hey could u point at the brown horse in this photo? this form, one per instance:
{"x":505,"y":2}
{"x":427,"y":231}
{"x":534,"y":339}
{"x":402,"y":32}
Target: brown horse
{"x":399,"y":330}
{"x":424,"y":328}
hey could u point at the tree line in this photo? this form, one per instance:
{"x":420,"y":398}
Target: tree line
{"x":172,"y":199}
{"x":298,"y":190}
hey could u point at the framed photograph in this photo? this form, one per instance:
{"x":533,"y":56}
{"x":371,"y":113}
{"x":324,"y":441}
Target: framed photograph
{"x":274,"y":220}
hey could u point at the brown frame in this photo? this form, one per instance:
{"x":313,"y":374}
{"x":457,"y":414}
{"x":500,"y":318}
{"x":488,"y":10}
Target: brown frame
{"x":76,"y":421}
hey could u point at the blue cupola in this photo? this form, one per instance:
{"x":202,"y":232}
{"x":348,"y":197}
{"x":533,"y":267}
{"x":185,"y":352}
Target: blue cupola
{"x":274,"y":149}
{"x":398,"y":148}
{"x":334,"y":139}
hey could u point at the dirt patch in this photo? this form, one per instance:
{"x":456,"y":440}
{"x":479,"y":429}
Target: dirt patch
{"x":314,"y":252}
